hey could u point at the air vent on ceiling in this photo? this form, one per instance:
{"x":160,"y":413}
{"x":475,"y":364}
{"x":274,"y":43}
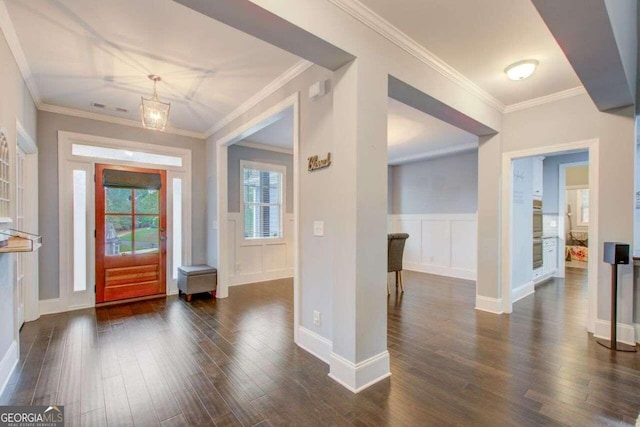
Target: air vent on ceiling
{"x":109,"y":107}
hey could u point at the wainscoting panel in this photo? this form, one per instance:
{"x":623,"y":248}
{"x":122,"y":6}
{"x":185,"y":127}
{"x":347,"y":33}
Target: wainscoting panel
{"x":443,"y":244}
{"x":436,"y":242}
{"x":258,"y":261}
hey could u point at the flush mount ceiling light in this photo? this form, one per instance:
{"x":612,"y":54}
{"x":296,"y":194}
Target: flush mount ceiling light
{"x":521,"y":70}
{"x":155,"y":113}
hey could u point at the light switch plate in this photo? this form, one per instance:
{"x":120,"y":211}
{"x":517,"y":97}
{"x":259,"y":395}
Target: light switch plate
{"x":318,"y":228}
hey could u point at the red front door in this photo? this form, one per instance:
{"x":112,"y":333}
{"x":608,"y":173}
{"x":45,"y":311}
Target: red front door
{"x":130,"y":232}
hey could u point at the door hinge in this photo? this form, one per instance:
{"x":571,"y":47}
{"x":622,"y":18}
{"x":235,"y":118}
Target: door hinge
{"x":94,"y":289}
{"x":95,"y":234}
{"x":94,"y":177}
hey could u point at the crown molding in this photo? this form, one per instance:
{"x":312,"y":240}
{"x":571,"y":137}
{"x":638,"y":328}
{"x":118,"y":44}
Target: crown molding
{"x":9,"y":31}
{"x":284,"y":78}
{"x":257,"y":146}
{"x":383,"y":27}
{"x":469,"y":146}
{"x":114,"y":120}
{"x":580,"y":90}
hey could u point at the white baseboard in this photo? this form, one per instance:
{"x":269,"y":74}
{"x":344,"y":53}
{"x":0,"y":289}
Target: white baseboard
{"x":8,"y":364}
{"x":492,"y":305}
{"x":56,"y":305}
{"x":440,"y":270}
{"x":244,"y":279}
{"x":315,"y":344}
{"x":522,"y":291}
{"x":358,"y":376}
{"x":626,"y":333}
{"x":50,"y":306}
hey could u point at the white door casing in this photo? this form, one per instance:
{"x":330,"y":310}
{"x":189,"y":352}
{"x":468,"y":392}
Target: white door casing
{"x":69,"y":299}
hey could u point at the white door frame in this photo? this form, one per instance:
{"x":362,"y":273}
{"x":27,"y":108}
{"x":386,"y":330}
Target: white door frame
{"x":31,"y":290}
{"x":505,"y":219}
{"x":68,"y":298}
{"x":562,"y":211}
{"x":222,"y":146}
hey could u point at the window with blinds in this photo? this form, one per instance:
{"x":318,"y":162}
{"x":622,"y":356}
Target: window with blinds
{"x":262,"y":195}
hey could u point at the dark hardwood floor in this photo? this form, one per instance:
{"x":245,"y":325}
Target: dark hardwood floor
{"x":232,"y":362}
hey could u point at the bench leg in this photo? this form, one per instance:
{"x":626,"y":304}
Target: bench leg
{"x":188,"y":297}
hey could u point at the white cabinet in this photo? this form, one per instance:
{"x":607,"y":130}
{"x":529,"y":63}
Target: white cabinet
{"x":537,"y":176}
{"x":549,"y":256}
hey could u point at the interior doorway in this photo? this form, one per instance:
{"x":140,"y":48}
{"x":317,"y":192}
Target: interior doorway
{"x":131,"y":223}
{"x":227,"y":233}
{"x":575,"y":188}
{"x":537,"y":178}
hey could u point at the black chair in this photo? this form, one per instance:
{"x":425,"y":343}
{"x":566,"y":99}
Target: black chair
{"x":395,"y":252}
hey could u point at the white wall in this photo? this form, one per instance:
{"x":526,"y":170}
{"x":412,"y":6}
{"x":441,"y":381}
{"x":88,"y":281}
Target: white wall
{"x":260,"y":260}
{"x":15,"y":104}
{"x":442,"y":244}
{"x":48,"y":126}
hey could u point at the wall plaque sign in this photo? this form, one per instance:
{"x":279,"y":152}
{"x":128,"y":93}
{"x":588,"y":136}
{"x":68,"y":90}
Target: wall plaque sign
{"x":316,"y":163}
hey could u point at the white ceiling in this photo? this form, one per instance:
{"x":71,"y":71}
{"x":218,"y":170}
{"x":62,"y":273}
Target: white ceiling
{"x":481,"y":38}
{"x":413,"y":135}
{"x":81,"y":52}
{"x":278,"y":134}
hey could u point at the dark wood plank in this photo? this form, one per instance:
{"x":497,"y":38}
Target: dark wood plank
{"x":233,"y":362}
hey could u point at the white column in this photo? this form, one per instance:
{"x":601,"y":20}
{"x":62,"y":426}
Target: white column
{"x":488,"y":287}
{"x":359,"y":357}
{"x":615,"y":207}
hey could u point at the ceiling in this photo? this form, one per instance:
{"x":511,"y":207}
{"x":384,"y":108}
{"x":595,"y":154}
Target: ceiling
{"x":278,"y":134}
{"x":77,"y":56}
{"x":481,"y":38}
{"x":413,"y":135}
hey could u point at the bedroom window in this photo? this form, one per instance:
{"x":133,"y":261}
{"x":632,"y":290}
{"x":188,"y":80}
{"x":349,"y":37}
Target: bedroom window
{"x":262,"y":200}
{"x":583,"y":206}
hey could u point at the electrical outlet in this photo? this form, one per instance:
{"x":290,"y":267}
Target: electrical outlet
{"x":318,"y":228}
{"x":317,"y":318}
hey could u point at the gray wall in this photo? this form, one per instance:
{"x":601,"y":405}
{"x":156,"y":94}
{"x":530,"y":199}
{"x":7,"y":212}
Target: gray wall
{"x":237,"y":153}
{"x":316,"y":189}
{"x":48,"y":126}
{"x":551,"y":173}
{"x":441,"y":185}
{"x":15,"y":104}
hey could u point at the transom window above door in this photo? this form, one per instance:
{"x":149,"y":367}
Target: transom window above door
{"x":263,"y":200}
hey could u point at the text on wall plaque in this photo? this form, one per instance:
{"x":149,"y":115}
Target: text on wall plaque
{"x":316,"y":163}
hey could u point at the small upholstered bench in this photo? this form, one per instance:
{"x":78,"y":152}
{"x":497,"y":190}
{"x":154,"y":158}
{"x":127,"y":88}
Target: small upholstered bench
{"x":195,"y":279}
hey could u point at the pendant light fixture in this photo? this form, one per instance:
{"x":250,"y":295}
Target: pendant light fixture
{"x":155,"y":113}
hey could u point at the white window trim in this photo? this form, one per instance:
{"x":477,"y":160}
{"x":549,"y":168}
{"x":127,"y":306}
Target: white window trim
{"x":68,"y":299}
{"x":269,"y":167}
{"x":579,"y":221}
